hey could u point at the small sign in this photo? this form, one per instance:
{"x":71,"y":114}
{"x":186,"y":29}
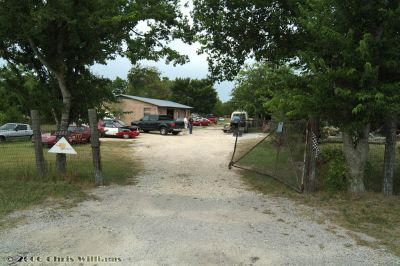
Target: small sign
{"x":280,"y":127}
{"x":62,"y":146}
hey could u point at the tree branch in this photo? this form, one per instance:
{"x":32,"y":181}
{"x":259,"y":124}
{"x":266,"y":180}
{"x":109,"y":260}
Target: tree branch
{"x":40,"y":56}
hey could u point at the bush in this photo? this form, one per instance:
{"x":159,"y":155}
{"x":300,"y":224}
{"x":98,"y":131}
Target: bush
{"x":334,"y":169}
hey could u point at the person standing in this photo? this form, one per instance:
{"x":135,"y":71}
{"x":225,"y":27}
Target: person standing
{"x":185,"y":121}
{"x":190,"y":124}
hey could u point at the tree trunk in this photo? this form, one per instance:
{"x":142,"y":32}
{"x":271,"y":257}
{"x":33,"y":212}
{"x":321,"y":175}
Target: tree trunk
{"x":56,"y":120}
{"x":356,"y":154}
{"x":59,"y":71}
{"x":61,"y":159}
{"x":390,"y":156}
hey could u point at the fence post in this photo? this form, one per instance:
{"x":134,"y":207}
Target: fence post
{"x":37,"y":137}
{"x":94,"y":139}
{"x":309,"y":180}
{"x":389,"y":157}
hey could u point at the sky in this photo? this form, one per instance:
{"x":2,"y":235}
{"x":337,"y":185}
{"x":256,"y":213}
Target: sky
{"x":197,"y":68}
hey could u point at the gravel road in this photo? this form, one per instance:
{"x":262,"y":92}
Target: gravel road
{"x":187,"y":209}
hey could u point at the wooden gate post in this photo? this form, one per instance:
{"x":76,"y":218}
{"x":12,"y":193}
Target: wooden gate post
{"x":37,"y":138}
{"x":94,"y":139}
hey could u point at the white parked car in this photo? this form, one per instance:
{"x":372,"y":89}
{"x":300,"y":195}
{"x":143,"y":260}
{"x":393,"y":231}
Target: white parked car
{"x":15,"y":131}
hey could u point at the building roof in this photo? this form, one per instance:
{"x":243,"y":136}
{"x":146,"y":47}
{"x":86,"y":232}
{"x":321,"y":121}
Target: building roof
{"x":160,"y":103}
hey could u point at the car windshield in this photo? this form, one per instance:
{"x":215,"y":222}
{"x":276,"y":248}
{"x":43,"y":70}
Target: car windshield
{"x":7,"y":127}
{"x":120,"y":123}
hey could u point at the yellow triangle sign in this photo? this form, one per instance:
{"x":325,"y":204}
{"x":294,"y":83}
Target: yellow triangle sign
{"x":62,"y":146}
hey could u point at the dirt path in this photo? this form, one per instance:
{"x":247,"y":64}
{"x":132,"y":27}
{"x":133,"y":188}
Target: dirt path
{"x":187,"y":209}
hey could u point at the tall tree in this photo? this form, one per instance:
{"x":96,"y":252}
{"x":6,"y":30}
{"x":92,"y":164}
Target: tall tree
{"x":66,"y":37}
{"x":353,"y":50}
{"x":199,"y":94}
{"x":147,"y":82}
{"x":119,"y":86}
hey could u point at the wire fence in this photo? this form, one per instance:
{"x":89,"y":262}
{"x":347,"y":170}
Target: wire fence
{"x":17,"y":157}
{"x":277,"y":152}
{"x":332,"y":167}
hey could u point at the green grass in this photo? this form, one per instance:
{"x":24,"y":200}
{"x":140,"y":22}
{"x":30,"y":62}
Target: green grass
{"x":20,"y":187}
{"x":270,"y":158}
{"x":370,"y":213}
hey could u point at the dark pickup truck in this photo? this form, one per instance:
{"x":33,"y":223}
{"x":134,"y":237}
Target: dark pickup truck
{"x":163,"y":123}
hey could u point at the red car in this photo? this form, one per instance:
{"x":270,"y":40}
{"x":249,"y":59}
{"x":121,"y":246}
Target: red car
{"x":201,"y":122}
{"x":116,"y":128}
{"x":75,"y":134}
{"x":213,"y":119}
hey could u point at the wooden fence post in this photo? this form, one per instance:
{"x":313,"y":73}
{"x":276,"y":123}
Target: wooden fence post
{"x":37,"y":137}
{"x":309,"y":174}
{"x":390,"y":156}
{"x":94,"y":139}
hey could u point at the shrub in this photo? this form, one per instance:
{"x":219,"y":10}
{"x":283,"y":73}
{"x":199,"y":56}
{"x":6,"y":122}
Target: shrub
{"x":334,"y":169}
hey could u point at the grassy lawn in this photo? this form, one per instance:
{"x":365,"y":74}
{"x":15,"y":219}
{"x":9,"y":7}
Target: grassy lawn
{"x":370,"y":213}
{"x":21,"y":188}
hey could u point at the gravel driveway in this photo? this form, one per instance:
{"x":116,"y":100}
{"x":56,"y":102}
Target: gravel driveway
{"x":187,"y":209}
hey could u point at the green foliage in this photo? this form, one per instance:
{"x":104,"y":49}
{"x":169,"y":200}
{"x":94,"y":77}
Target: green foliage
{"x":18,"y":91}
{"x":119,"y":86}
{"x":199,"y":94}
{"x":252,"y":89}
{"x":335,"y":169}
{"x":232,"y":31}
{"x":348,"y":52}
{"x":147,"y":82}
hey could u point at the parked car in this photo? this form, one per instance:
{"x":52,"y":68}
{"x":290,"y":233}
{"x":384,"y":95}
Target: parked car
{"x":212,"y":119}
{"x":201,"y":122}
{"x":163,"y":123}
{"x":109,"y":127}
{"x":75,"y":135}
{"x":15,"y":131}
{"x":221,"y":119}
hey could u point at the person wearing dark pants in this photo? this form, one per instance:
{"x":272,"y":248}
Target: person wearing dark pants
{"x":190,"y":125}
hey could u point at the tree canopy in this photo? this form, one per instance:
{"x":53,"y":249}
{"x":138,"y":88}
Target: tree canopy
{"x":347,"y":52}
{"x":197,"y":93}
{"x":147,"y":82}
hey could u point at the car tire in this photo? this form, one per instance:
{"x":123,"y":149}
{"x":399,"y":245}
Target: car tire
{"x":175,"y":133}
{"x":163,"y":131}
{"x":2,"y":139}
{"x":125,"y":136}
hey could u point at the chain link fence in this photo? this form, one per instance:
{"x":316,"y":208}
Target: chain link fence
{"x":278,"y":152}
{"x":332,"y":167}
{"x":17,"y":156}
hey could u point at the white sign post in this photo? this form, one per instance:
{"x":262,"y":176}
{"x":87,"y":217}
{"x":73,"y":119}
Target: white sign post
{"x":62,"y":146}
